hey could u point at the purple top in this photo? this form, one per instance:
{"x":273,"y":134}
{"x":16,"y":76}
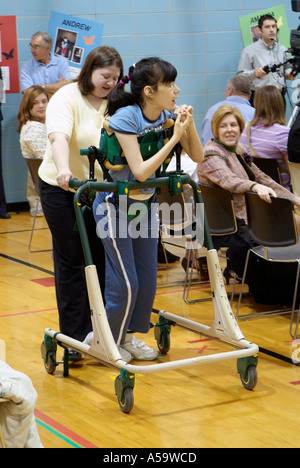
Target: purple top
{"x":269,"y":142}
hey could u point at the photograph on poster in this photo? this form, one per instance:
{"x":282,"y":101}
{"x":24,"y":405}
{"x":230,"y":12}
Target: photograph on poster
{"x":65,"y":41}
{"x":77,"y":55}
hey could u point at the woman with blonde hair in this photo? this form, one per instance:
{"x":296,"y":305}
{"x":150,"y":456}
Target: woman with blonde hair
{"x":227,"y":164}
{"x":33,"y":135}
{"x":266,"y":136}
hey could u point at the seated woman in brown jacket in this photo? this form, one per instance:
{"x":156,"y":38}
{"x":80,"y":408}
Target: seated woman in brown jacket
{"x":226,"y":164}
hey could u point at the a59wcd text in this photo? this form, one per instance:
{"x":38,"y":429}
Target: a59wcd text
{"x":150,"y":457}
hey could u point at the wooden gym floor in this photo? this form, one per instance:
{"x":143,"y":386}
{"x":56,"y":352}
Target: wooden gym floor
{"x":195,"y":407}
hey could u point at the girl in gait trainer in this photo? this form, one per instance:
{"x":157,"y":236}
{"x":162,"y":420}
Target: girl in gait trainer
{"x":131,"y":259}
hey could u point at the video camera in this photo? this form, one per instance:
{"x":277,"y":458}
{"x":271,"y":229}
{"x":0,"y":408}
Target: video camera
{"x":295,"y":40}
{"x":293,"y":61}
{"x":295,"y":33}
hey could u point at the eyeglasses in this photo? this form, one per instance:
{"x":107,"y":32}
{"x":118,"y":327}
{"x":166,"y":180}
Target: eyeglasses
{"x":34,"y":47}
{"x":170,"y":85}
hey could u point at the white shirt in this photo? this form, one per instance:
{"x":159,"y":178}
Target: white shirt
{"x":33,"y":139}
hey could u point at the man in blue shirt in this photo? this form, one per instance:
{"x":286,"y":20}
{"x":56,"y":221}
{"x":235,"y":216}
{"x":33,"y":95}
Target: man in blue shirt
{"x":45,"y":69}
{"x":237,"y":94}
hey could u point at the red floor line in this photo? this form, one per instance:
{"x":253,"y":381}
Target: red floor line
{"x":28,"y":313}
{"x":63,"y":430}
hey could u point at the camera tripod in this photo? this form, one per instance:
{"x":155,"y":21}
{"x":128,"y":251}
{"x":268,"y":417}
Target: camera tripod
{"x":294,"y":114}
{"x":295,"y":110}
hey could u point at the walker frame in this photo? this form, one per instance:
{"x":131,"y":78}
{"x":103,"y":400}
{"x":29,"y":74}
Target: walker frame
{"x":104,"y":348}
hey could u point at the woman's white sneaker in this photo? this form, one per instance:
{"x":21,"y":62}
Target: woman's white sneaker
{"x":138,"y":349}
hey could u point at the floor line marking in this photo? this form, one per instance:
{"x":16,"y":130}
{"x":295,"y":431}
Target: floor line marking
{"x":62,"y":431}
{"x":13,"y":259}
{"x":28,"y":312}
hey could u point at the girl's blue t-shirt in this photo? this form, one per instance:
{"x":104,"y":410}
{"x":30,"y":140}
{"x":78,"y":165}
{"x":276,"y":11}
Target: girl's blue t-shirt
{"x":131,"y":120}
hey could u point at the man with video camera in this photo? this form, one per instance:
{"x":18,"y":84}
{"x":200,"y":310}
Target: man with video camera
{"x":263,"y":61}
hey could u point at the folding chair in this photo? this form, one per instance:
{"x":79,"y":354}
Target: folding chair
{"x":218,"y":205}
{"x":272,"y":227}
{"x":33,"y":166}
{"x":175,"y":219}
{"x":270,"y":167}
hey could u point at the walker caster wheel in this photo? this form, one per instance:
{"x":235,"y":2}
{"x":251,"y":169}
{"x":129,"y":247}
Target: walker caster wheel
{"x":50,"y":362}
{"x":164,"y":343}
{"x":126,"y":404}
{"x":162,"y":335}
{"x":124,"y":384}
{"x":251,"y":379}
{"x":247,"y":369}
{"x":48,"y":351}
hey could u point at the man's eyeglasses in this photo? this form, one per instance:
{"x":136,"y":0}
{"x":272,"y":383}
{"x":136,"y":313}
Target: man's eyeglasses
{"x":34,"y":47}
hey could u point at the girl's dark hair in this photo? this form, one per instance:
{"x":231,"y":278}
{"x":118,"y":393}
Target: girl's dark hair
{"x":147,"y":72}
{"x":100,"y":57}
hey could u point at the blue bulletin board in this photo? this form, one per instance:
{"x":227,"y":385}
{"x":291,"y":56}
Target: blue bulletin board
{"x":74,"y":38}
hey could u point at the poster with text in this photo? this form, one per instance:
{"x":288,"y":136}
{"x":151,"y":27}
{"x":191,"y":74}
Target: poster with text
{"x":9,"y":55}
{"x":74,"y":38}
{"x":251,"y":33}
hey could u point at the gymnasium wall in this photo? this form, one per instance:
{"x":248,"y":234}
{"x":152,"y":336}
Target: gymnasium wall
{"x":202,"y":38}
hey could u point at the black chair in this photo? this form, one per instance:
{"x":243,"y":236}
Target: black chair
{"x":272,"y":226}
{"x":219,"y":210}
{"x":176,"y":225}
{"x":33,"y":166}
{"x":270,"y":167}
